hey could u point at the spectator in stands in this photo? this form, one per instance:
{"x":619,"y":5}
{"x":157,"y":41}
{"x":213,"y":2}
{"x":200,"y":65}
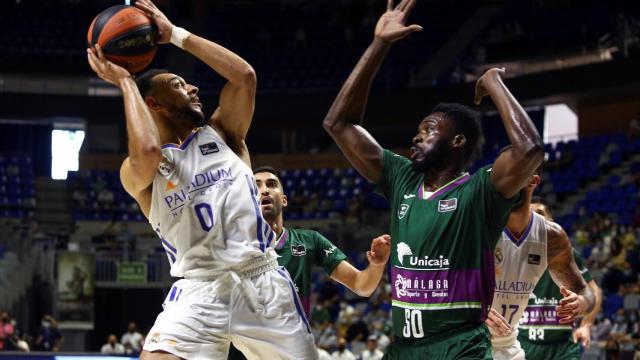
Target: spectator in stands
{"x":326,"y":337}
{"x":105,"y":198}
{"x":132,"y":338}
{"x":6,"y":330}
{"x":601,"y":328}
{"x":357,"y":333}
{"x":112,"y":347}
{"x":342,"y":353}
{"x":620,"y":325}
{"x":372,"y":352}
{"x":49,"y":337}
{"x":99,"y":184}
{"x":79,"y":196}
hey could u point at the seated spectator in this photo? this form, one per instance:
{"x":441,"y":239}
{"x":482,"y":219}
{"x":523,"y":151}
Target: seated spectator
{"x":372,"y":352}
{"x":133,"y":338}
{"x":620,"y":325}
{"x":112,"y":347}
{"x":6,"y":330}
{"x":49,"y":337}
{"x":79,"y":196}
{"x":105,"y":198}
{"x":601,"y":328}
{"x":342,"y":353}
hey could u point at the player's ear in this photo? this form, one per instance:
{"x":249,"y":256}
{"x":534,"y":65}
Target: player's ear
{"x":459,"y":141}
{"x":152,"y":103}
{"x":285,"y":201}
{"x":535,"y":180}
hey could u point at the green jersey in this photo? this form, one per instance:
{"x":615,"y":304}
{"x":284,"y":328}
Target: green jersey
{"x":299,"y":251}
{"x":442,"y":268}
{"x":539,"y":323}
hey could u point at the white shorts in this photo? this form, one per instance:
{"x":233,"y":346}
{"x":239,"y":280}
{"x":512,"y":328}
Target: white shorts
{"x":507,"y":347}
{"x":261,"y":315}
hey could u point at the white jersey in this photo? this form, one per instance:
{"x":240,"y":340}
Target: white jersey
{"x":519,"y":265}
{"x":205,"y":207}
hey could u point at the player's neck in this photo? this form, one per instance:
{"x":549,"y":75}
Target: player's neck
{"x":433,"y":180}
{"x":277,"y":225}
{"x":173,"y":133}
{"x":519,"y":220}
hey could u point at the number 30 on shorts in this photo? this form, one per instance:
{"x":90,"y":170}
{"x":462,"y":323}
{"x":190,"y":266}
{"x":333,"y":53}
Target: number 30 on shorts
{"x":413,"y":324}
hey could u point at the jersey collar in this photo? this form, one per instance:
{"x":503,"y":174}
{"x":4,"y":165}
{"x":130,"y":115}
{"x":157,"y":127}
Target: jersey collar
{"x":183,"y":145}
{"x":282,"y":239}
{"x":422,"y":193}
{"x":519,"y":241}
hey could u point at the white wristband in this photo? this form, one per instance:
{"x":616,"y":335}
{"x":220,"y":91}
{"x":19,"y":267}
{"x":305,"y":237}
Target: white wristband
{"x":178,"y":35}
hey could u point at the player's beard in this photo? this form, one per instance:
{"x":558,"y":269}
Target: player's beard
{"x":436,"y":158}
{"x":187,"y":113}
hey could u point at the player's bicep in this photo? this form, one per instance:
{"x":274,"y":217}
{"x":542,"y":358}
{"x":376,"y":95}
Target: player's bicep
{"x":345,"y":274}
{"x":235,"y":109}
{"x":510,"y":174}
{"x":137,"y":183}
{"x":361,"y":149}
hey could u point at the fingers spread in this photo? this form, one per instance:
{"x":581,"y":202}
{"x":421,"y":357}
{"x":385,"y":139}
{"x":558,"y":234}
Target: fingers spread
{"x":389,"y":5}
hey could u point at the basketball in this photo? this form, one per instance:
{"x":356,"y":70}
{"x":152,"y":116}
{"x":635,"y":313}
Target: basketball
{"x":126,"y":35}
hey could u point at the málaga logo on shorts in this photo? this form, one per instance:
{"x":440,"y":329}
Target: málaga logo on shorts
{"x":209,"y":148}
{"x":447,"y":205}
{"x":402,"y":211}
{"x":298,"y":250}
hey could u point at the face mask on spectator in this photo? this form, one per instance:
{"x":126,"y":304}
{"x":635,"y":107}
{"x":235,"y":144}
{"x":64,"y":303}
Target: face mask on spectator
{"x":620,"y":319}
{"x":46,"y":324}
{"x":633,"y":317}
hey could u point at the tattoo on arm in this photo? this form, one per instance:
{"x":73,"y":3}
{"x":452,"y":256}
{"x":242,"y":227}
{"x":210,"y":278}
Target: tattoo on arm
{"x":562,"y":266}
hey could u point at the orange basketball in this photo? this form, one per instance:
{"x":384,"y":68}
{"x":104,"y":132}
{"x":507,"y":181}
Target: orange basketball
{"x":126,"y":35}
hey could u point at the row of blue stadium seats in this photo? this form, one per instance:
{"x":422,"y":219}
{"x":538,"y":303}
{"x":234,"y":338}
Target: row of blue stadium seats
{"x":107,"y":216}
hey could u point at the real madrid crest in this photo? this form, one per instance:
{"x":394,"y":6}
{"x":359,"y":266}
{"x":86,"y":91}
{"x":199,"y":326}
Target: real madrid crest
{"x":498,"y":255}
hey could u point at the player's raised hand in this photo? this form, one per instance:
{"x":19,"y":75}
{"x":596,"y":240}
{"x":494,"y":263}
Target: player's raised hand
{"x":488,"y":77}
{"x":497,"y":324}
{"x":583,"y":335}
{"x":570,"y":306}
{"x":380,"y":249}
{"x":391,"y":26}
{"x":159,"y":18}
{"x":104,"y":68}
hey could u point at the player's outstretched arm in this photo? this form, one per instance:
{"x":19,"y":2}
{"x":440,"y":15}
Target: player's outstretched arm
{"x":578,"y":299}
{"x":583,"y":332}
{"x":139,"y":168}
{"x":514,"y":167}
{"x":365,"y":282}
{"x":358,"y":146}
{"x":237,"y":98}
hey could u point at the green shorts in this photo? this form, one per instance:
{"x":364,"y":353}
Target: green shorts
{"x":470,"y":343}
{"x":565,"y":350}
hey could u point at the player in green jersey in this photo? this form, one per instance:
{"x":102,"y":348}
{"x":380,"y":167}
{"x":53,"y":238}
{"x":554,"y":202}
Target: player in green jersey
{"x":543,"y":337}
{"x":301,"y":250}
{"x":444,"y":222}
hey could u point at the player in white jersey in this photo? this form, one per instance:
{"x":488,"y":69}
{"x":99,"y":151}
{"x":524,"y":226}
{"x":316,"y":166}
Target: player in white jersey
{"x":199,"y":194}
{"x":529,"y":245}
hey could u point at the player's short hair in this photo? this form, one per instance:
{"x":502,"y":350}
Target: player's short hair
{"x":536,"y":199}
{"x":271,"y":170}
{"x":467,"y":122}
{"x":145,"y":80}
